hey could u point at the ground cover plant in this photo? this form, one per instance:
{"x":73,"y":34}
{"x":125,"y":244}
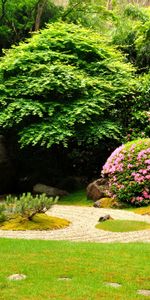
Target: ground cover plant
{"x":38,"y":222}
{"x":122,"y":225}
{"x":88,"y":266}
{"x":128,"y":172}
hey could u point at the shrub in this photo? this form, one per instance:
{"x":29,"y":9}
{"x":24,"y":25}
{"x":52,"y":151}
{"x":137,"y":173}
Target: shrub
{"x":2,"y":213}
{"x":128,"y":171}
{"x":28,"y":206}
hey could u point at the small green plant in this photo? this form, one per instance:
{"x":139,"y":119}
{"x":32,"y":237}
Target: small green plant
{"x":28,"y":205}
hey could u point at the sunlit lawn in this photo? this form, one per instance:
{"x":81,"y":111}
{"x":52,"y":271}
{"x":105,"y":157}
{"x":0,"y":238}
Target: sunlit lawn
{"x":76,"y":198}
{"x":88,"y":265}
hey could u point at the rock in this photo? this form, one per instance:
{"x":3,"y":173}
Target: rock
{"x":105,"y":218}
{"x":17,"y":277}
{"x":113,"y":284}
{"x":97,"y":189}
{"x":97,"y":204}
{"x":48,"y":190}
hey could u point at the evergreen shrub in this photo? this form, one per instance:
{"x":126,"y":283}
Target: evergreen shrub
{"x":128,"y":171}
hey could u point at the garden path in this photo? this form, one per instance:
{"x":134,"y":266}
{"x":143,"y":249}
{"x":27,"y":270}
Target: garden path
{"x":82,"y":228}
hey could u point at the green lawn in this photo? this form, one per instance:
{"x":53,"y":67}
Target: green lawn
{"x":88,"y":265}
{"x":76,"y":198}
{"x":122,"y":225}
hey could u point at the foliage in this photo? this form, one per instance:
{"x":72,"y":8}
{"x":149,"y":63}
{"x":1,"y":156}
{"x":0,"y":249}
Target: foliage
{"x":122,"y":225}
{"x":17,"y":19}
{"x":38,"y":222}
{"x":89,"y":13}
{"x":2,"y":213}
{"x":128,"y":171}
{"x":28,"y":206}
{"x":65,"y":84}
{"x":133,"y":37}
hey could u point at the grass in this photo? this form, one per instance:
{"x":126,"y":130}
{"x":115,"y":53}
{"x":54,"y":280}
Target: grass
{"x":122,"y":225}
{"x":88,"y":265}
{"x":76,"y":198}
{"x":39,"y":222}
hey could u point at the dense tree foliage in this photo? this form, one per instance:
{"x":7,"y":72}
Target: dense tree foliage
{"x":19,"y":18}
{"x":65,"y":84}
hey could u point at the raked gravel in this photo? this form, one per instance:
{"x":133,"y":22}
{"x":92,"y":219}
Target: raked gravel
{"x":82,"y":227}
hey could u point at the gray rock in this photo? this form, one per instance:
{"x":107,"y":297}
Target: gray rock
{"x":48,"y":190}
{"x":105,"y":218}
{"x":17,"y":277}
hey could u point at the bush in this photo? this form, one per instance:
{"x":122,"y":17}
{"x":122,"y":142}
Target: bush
{"x":28,"y":206}
{"x":2,"y":213}
{"x":128,"y":171}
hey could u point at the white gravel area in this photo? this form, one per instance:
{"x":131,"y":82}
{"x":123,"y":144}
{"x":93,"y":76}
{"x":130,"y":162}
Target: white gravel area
{"x":82,"y":227}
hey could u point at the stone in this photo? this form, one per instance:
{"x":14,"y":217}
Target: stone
{"x":64,"y":278}
{"x":48,"y":190}
{"x":17,"y":277}
{"x":97,"y":204}
{"x":105,"y":218}
{"x":113,"y":284}
{"x":144,"y":292}
{"x":97,"y":189}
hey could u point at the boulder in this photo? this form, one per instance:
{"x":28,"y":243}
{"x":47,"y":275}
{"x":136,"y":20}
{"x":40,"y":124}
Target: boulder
{"x":40,"y":188}
{"x":105,"y":218}
{"x":97,"y":189}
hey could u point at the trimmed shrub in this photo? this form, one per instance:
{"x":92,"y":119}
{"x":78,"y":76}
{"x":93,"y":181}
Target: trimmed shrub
{"x":128,"y":171}
{"x":28,"y":206}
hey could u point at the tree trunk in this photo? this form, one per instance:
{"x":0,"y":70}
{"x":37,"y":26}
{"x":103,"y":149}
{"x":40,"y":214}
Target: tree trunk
{"x":40,"y":8}
{"x":109,"y":5}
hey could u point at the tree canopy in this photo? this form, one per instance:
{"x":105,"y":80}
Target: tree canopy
{"x":65,"y":84}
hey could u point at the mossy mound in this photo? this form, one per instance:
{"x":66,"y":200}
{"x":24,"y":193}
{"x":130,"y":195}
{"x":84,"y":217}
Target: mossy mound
{"x":142,"y":210}
{"x":39,"y":222}
{"x":122,"y":225}
{"x":111,"y":203}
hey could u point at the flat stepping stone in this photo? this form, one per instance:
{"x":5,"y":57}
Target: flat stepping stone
{"x":144,"y":292}
{"x":17,"y":277}
{"x":64,"y":278}
{"x":113,"y":284}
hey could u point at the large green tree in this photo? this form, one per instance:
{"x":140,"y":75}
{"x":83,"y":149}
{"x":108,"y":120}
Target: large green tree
{"x":65,"y":84}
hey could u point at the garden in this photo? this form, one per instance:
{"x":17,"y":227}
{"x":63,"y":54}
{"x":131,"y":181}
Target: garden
{"x":74,"y":150}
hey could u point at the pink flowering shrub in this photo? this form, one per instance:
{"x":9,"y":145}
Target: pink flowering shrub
{"x":128,"y":172}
